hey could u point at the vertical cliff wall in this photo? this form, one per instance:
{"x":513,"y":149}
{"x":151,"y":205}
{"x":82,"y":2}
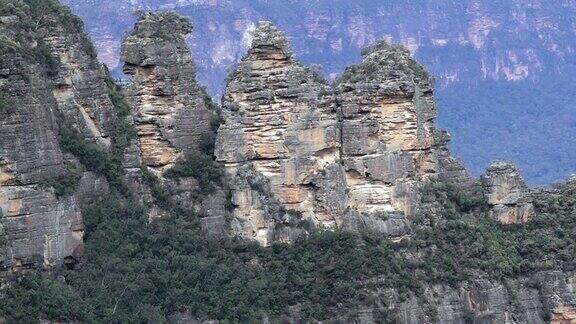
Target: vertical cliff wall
{"x":50,"y":83}
{"x":280,"y":128}
{"x":351,"y":155}
{"x":171,"y":116}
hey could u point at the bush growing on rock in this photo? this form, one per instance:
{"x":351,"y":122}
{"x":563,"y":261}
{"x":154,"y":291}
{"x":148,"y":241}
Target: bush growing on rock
{"x":199,"y":166}
{"x":167,"y":267}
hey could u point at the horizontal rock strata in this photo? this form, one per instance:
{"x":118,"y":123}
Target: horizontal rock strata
{"x":349,"y":156}
{"x":507,"y":194}
{"x":170,"y":112}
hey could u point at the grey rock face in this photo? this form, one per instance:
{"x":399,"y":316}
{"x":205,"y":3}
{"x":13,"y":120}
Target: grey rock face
{"x":53,"y":80}
{"x":170,"y":112}
{"x":507,"y":194}
{"x":349,"y":156}
{"x":28,"y":132}
{"x":542,"y":298}
{"x":41,"y":229}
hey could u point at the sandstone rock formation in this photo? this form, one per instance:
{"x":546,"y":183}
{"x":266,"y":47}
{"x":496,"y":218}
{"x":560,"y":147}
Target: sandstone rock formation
{"x":297,"y":152}
{"x":174,"y":118}
{"x":351,"y":156}
{"x":507,"y":194}
{"x":52,"y":81}
{"x":523,"y":300}
{"x":389,"y":139}
{"x":281,"y":141}
{"x":563,"y":315}
{"x":171,"y":115}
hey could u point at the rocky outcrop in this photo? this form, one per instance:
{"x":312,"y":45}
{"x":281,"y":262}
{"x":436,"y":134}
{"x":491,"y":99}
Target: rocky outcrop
{"x":175,"y":119}
{"x":563,"y":315}
{"x":543,"y":297}
{"x":507,"y":194}
{"x":280,"y":141}
{"x":170,"y":111}
{"x":349,"y":156}
{"x":389,"y":139}
{"x":49,"y":79}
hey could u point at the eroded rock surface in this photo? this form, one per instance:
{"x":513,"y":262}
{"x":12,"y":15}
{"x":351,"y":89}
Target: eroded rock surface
{"x":507,"y":194}
{"x":544,"y":297}
{"x":389,"y":138}
{"x":170,"y":112}
{"x":349,"y":156}
{"x":281,"y":125}
{"x":51,"y":81}
{"x":174,"y":118}
{"x":563,"y":315}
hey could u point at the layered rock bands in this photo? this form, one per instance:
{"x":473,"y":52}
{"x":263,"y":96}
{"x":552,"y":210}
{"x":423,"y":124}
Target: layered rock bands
{"x":351,"y":155}
{"x":49,"y":79}
{"x":170,"y":112}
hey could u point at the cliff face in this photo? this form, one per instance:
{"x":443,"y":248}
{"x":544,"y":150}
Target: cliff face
{"x":281,"y":128}
{"x":66,"y":131}
{"x":50,"y":80}
{"x":297,"y":152}
{"x":348,"y":156}
{"x":546,"y":297}
{"x":170,"y":113}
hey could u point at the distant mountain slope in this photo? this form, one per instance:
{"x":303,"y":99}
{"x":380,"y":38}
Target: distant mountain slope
{"x":504,"y":69}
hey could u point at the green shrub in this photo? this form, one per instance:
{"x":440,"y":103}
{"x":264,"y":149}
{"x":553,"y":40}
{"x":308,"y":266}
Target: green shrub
{"x":96,"y":158}
{"x":199,"y":166}
{"x":32,"y":297}
{"x":92,"y":156}
{"x":44,"y":56}
{"x":66,"y":184}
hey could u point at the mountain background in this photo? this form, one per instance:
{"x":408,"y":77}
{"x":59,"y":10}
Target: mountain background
{"x":505,"y":70}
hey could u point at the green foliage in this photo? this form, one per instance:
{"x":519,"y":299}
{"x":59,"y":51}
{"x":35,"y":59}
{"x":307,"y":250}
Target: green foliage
{"x":96,"y":158}
{"x":66,"y":184}
{"x":208,"y":141}
{"x":6,"y":105}
{"x":141,"y":272}
{"x":34,"y":296}
{"x":44,"y":56}
{"x":199,"y":166}
{"x":91,"y":155}
{"x":37,"y":20}
{"x":123,"y":131}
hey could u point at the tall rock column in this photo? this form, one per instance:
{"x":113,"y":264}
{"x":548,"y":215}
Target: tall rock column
{"x":171,"y":116}
{"x":280,"y":142}
{"x":389,"y":139}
